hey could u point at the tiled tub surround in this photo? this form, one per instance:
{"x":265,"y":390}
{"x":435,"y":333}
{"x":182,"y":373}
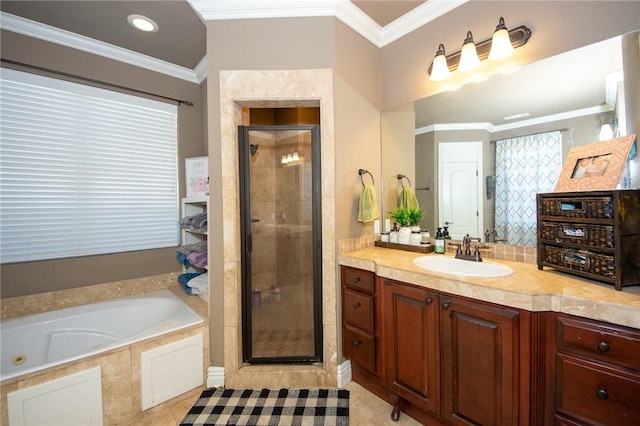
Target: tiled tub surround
{"x":121,"y":367}
{"x":528,"y":288}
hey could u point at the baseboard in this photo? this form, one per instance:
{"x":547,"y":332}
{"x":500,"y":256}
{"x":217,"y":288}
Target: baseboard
{"x":344,"y":373}
{"x":215,"y":377}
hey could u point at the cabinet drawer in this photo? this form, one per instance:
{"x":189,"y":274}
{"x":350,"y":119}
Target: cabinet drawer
{"x":359,"y":346}
{"x":597,"y":394}
{"x":578,"y":207}
{"x":579,"y":233}
{"x":358,"y":279}
{"x":605,"y":342}
{"x":601,"y":264}
{"x":358,"y":310}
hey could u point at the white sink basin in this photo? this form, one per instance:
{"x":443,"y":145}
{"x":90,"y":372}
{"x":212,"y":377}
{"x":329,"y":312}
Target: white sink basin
{"x":465,"y":268}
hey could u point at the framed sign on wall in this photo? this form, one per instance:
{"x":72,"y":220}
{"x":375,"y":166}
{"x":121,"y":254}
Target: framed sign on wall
{"x":197,"y":176}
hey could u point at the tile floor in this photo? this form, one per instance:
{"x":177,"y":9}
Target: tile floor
{"x":365,"y":409}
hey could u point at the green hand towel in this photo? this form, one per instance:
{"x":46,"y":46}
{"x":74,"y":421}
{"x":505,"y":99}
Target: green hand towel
{"x":368,"y":208}
{"x":408,"y":199}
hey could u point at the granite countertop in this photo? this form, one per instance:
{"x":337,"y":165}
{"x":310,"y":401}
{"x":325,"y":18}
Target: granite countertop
{"x":528,"y":288}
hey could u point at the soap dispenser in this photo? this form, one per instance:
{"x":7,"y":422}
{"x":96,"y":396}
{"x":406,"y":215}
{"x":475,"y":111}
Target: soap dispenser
{"x":445,"y":233}
{"x":439,"y":242}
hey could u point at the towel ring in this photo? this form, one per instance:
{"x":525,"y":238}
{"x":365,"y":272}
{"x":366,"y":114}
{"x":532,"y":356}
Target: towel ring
{"x":400,"y":177}
{"x":362,"y":172}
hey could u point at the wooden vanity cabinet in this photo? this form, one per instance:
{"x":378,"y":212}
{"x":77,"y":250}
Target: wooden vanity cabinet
{"x":480,"y":362}
{"x":360,"y":327}
{"x":412,"y":346}
{"x":458,"y":360}
{"x":598,"y":373}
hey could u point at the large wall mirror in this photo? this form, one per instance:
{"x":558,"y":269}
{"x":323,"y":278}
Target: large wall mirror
{"x":567,"y":97}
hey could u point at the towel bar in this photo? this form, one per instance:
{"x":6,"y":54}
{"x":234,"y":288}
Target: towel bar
{"x":362,"y":172}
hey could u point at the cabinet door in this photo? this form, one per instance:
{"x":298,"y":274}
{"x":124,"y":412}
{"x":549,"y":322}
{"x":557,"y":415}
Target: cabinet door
{"x":480,"y":363}
{"x":411,"y":345}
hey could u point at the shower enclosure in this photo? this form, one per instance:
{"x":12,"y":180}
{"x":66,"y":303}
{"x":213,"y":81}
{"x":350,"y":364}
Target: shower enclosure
{"x":281,"y":243}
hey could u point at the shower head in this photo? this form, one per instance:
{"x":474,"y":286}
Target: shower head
{"x":253,"y":148}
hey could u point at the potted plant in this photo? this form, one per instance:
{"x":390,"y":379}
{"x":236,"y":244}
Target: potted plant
{"x":400,"y":215}
{"x":415,"y":216}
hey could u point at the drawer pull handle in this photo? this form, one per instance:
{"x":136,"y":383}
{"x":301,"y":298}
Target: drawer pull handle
{"x":356,"y":342}
{"x":446,"y":305}
{"x":602,"y":393}
{"x":356,"y":305}
{"x":428,"y":301}
{"x":603,"y":346}
{"x":356,"y":280}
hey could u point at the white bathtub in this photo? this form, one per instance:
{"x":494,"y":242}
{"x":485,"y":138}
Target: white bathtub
{"x":35,"y":342}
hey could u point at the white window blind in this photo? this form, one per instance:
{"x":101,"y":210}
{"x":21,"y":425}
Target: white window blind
{"x":83,"y":170}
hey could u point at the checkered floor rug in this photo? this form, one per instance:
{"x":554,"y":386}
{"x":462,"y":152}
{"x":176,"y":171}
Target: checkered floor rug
{"x":270,"y":407}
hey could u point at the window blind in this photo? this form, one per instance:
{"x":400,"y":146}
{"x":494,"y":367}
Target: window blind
{"x":83,"y":170}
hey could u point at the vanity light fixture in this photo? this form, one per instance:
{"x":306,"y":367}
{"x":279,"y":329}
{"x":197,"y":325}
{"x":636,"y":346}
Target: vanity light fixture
{"x":485,"y":49}
{"x":440,"y":69}
{"x":142,"y":23}
{"x":500,"y":42}
{"x":468,"y":55}
{"x":290,"y":158}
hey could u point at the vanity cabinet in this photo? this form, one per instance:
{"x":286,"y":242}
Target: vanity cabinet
{"x":593,"y":234}
{"x":412,"y":346}
{"x":456,"y":359}
{"x":359,"y":322}
{"x":598,"y":373}
{"x":480,"y":365}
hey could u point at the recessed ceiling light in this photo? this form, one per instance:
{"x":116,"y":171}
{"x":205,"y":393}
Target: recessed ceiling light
{"x":142,"y":23}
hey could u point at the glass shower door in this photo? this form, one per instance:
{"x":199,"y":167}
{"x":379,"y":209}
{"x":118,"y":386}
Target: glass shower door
{"x":280,"y":244}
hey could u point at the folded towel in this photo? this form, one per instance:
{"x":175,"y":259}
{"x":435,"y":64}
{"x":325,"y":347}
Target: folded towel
{"x":368,"y":208}
{"x":200,"y":247}
{"x":199,"y":284}
{"x":408,"y":199}
{"x":199,"y":260}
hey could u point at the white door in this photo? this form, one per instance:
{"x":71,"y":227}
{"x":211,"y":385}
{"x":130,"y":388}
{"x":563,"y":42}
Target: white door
{"x":460,"y":188}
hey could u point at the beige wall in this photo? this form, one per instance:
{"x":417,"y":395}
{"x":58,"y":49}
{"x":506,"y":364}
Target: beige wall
{"x":557,"y":26}
{"x":37,"y":277}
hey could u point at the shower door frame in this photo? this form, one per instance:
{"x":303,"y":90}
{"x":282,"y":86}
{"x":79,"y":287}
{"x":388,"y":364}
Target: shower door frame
{"x":246,"y":243}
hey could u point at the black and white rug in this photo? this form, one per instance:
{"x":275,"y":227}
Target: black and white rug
{"x":270,"y":407}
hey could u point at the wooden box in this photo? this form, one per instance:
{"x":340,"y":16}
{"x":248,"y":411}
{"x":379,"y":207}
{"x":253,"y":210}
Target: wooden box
{"x":592,"y":234}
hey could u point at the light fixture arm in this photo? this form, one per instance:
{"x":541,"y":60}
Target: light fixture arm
{"x":518,"y":36}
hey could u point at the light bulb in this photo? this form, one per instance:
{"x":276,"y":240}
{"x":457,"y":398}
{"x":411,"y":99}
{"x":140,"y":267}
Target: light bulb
{"x":440,"y":68}
{"x":468,"y":56}
{"x":500,"y":43}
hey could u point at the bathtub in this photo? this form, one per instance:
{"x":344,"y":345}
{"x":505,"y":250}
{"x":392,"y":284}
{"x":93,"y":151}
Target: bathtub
{"x":35,"y":342}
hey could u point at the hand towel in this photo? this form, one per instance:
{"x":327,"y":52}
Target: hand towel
{"x":368,"y":207}
{"x":408,"y":199}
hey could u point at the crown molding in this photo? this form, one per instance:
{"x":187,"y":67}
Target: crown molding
{"x":493,"y":128}
{"x":421,"y":15}
{"x":344,"y":10}
{"x":61,"y":37}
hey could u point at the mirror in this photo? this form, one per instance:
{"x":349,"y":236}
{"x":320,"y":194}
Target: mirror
{"x":573,"y":93}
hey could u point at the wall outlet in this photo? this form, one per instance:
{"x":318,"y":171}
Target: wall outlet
{"x":376,"y":226}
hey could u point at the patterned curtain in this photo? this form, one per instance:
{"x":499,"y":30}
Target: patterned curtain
{"x":525,"y":166}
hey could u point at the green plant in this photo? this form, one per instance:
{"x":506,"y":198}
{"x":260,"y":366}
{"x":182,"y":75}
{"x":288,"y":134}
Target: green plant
{"x":415,"y":215}
{"x":400,"y":215}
